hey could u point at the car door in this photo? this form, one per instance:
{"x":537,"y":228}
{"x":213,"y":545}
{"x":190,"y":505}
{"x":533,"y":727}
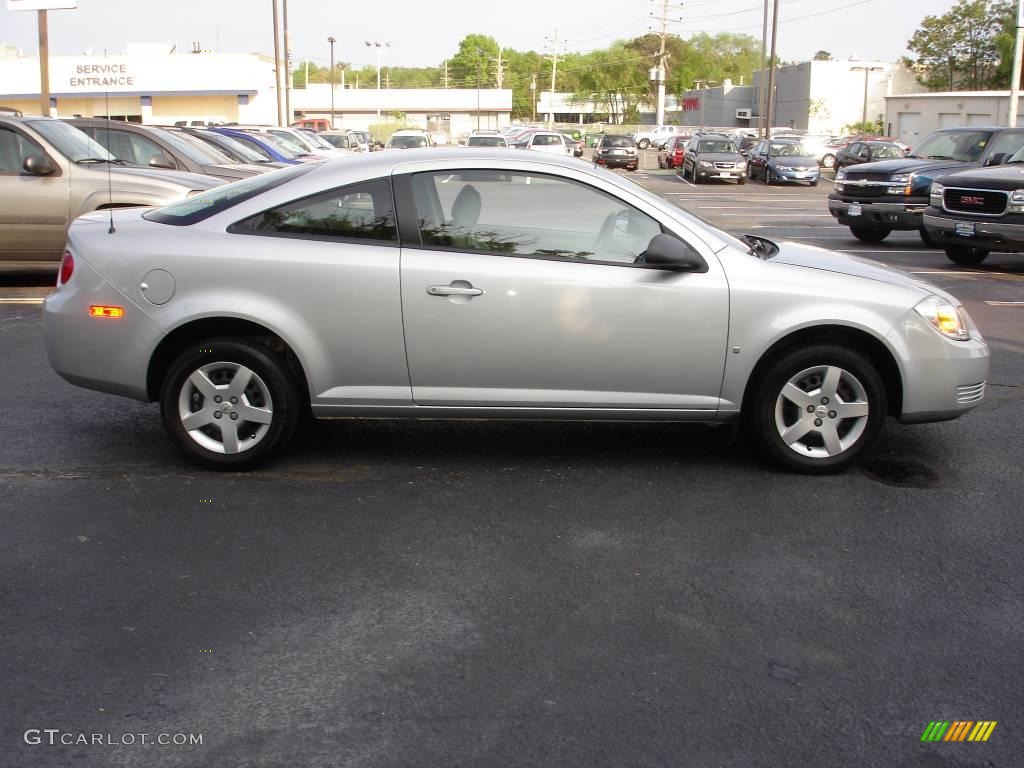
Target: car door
{"x":34,"y":214}
{"x":521,"y":289}
{"x":756,"y":158}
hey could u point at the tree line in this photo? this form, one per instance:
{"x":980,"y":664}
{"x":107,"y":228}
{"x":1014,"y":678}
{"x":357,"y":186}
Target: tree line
{"x":616,"y":77}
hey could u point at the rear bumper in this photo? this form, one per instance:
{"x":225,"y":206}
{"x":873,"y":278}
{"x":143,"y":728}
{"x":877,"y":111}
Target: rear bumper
{"x":877,"y":213}
{"x":619,"y":162}
{"x":990,"y":235}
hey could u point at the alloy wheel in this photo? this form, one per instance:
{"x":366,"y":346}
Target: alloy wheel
{"x":822,"y":411}
{"x":225,"y":407}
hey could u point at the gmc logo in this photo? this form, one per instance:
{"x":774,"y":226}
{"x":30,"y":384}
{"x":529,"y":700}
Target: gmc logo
{"x":971,"y":200}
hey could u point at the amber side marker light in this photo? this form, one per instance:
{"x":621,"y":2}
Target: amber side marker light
{"x":98,"y":310}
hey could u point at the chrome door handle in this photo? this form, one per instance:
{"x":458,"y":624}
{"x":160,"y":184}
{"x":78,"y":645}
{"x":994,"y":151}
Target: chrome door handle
{"x":453,"y":290}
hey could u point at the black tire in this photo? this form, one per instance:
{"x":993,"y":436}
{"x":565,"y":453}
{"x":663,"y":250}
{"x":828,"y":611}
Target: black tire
{"x":870,"y":234}
{"x":742,"y":181}
{"x":643,"y":143}
{"x":828,"y":161}
{"x":768,"y":177}
{"x":272,"y":393}
{"x":966,"y":255}
{"x":813,"y":183}
{"x":770,"y":415}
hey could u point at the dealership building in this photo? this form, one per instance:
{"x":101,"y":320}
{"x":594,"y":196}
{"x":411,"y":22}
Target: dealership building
{"x":912,"y":116}
{"x":158,"y":84}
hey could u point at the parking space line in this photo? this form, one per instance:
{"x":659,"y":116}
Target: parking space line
{"x":803,"y":215}
{"x":1005,"y":303}
{"x":20,"y":300}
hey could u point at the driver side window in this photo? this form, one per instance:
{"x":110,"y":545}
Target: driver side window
{"x":522,"y":214}
{"x":14,"y":148}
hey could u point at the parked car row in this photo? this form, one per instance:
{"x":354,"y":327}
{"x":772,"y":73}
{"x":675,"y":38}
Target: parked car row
{"x":960,"y":188}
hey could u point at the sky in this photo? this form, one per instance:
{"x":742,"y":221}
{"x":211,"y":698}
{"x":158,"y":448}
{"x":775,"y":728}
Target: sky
{"x":424,"y":32}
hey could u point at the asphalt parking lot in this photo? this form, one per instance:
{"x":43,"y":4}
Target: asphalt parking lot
{"x":516,"y":594}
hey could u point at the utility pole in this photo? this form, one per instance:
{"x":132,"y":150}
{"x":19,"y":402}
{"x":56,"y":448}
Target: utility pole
{"x":44,"y":65}
{"x":499,"y":72}
{"x":762,"y":93}
{"x":771,"y":71}
{"x":533,"y":98}
{"x":332,"y":41}
{"x":277,"y":65}
{"x":446,"y":73}
{"x":864,"y":113}
{"x":556,"y":44}
{"x":1015,"y":85}
{"x":287,"y":65}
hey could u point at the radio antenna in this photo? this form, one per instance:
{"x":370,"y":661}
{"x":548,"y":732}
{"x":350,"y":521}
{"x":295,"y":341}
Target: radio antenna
{"x":110,"y":185}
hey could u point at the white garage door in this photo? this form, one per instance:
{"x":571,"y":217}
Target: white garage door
{"x":908,"y":127}
{"x":950,"y":120}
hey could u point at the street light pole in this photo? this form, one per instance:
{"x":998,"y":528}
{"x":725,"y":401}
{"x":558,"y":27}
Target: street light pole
{"x":378,"y":45}
{"x":277,"y":65}
{"x":867,"y":71}
{"x":332,"y":41}
{"x":479,"y":53}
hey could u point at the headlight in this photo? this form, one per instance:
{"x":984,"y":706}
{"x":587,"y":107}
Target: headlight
{"x":948,"y":320}
{"x":1017,"y":201}
{"x":935,"y":194}
{"x":840,"y":174}
{"x":901,"y":177}
{"x":706,"y":164}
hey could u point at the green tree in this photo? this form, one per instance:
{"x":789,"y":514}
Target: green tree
{"x":959,"y":49}
{"x":823,"y":56}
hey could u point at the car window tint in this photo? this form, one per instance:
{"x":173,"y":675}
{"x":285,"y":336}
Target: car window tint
{"x":526,"y":215}
{"x":885,"y":151}
{"x":125,"y":145}
{"x":717,"y":146}
{"x":14,"y":148}
{"x":363,"y":211}
{"x":1007,"y":142}
{"x":618,"y":141}
{"x":408,"y":142}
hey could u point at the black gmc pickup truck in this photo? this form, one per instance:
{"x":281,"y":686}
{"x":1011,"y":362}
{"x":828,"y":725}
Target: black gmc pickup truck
{"x":873,"y":199}
{"x":977,"y":211}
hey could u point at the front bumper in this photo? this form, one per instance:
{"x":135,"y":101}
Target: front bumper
{"x":722,"y":173}
{"x":942,"y":379}
{"x":796,"y":175}
{"x":989,"y":235}
{"x":875,"y":212}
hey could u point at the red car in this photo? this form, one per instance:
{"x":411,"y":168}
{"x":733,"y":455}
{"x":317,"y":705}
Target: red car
{"x":671,"y":155}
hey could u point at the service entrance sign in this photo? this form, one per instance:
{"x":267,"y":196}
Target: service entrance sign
{"x":41,"y":5}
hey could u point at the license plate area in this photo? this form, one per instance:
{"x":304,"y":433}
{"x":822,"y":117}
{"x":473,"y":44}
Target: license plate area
{"x":854,"y":209}
{"x":964,"y":228}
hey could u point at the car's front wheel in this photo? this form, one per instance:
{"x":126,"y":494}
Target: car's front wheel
{"x":230,"y":403}
{"x":828,"y":161}
{"x":817,"y":408}
{"x":966,"y":255}
{"x":643,"y":143}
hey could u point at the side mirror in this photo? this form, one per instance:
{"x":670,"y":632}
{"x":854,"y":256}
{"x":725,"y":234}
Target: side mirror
{"x":39,"y":165}
{"x":669,"y":253}
{"x":160,"y":160}
{"x":999,"y":158}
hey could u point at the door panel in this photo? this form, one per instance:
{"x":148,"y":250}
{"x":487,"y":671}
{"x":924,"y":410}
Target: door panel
{"x":551,"y":333}
{"x":34,"y":214}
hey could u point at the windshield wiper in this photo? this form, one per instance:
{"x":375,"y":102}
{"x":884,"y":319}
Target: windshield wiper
{"x":113,"y":161}
{"x":940,"y":157}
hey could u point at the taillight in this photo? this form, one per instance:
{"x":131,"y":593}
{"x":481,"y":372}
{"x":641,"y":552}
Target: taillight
{"x":67,"y":267}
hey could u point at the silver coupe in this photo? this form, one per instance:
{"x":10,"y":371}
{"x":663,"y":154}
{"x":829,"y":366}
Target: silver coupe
{"x":475,"y":284}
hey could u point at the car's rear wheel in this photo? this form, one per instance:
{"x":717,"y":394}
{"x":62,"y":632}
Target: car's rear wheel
{"x":828,"y":161}
{"x":870,"y":234}
{"x":230,"y":403}
{"x":643,"y":143}
{"x":966,"y":255}
{"x":816,"y":409}
{"x":742,"y":180}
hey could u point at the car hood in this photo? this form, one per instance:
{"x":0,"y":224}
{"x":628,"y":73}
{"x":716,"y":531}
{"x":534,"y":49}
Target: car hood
{"x":721,"y":157}
{"x":997,"y":177}
{"x":796,"y":160}
{"x":185,"y":179}
{"x":811,"y":257}
{"x":906,"y":165}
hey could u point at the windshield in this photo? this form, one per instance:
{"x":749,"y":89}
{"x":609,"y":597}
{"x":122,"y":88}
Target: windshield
{"x":788,"y":150}
{"x":71,"y":142}
{"x":338,"y":140}
{"x":317,"y":140}
{"x":722,"y":145}
{"x":206,"y":204}
{"x":485,"y":141}
{"x":293,"y":142}
{"x":618,"y":141}
{"x":885,"y":151}
{"x":195,"y":149}
{"x":288,"y":150}
{"x":225,"y":143}
{"x":965,"y":146}
{"x":407,"y":142}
